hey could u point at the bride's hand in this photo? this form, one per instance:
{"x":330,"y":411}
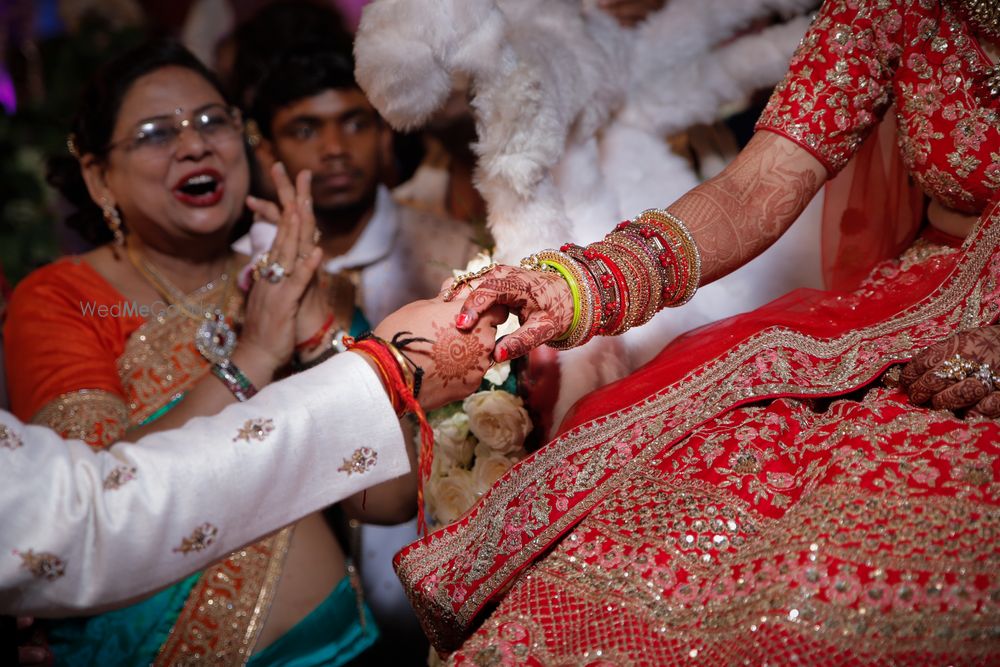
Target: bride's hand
{"x":296,"y":209}
{"x":454,"y":362}
{"x":541,"y":300}
{"x":958,"y":373}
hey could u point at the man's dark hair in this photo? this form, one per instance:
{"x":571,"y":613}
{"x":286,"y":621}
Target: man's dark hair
{"x":274,"y":30}
{"x":296,"y":75}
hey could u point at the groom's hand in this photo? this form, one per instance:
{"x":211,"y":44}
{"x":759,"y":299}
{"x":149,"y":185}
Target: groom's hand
{"x":453,"y":361}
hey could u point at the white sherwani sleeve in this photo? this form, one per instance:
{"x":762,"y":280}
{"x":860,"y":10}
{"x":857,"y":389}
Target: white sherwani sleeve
{"x":82,"y":531}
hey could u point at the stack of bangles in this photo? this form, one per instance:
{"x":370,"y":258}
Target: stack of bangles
{"x":646,"y":264}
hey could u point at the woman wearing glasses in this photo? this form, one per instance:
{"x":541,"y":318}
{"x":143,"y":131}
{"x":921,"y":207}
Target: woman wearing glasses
{"x":139,"y":335}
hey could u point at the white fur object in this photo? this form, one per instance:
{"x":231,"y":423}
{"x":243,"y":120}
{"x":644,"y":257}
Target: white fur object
{"x":571,"y":113}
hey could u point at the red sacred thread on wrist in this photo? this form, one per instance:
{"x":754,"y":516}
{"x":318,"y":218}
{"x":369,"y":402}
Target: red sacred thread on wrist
{"x":311,"y":343}
{"x":403,"y":401}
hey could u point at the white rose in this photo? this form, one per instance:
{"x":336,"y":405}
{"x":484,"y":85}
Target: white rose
{"x":498,"y":373}
{"x":442,"y":466}
{"x":451,"y":439}
{"x":490,"y":466}
{"x":449,"y":497}
{"x":498,"y":419}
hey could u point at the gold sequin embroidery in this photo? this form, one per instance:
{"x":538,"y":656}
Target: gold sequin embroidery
{"x":43,"y":565}
{"x":255,"y":429}
{"x":119,"y":476}
{"x":9,"y":439}
{"x":97,"y":417}
{"x":361,"y":461}
{"x":201,"y":538}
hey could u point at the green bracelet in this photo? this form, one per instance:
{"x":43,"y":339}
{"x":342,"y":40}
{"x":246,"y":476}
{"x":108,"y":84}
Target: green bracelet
{"x":574,"y":289}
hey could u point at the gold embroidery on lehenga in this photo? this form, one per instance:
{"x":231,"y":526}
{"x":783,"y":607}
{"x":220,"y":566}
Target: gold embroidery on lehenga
{"x":849,"y":361}
{"x":704,"y":570}
{"x":97,"y":417}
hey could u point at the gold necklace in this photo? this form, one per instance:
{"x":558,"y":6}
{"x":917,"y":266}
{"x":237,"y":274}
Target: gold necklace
{"x":214,"y":339}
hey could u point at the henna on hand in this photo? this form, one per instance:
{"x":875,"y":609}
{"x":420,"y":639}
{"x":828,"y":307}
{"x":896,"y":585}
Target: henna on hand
{"x":988,"y":407}
{"x":457,"y":356}
{"x":960,"y":395}
{"x":453,"y":361}
{"x":928,"y":376}
{"x":540,"y":299}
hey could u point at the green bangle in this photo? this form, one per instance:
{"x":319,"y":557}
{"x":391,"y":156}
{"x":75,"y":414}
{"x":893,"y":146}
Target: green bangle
{"x":574,"y":289}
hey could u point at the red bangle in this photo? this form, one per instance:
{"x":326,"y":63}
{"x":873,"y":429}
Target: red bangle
{"x":314,"y":341}
{"x":402,"y":398}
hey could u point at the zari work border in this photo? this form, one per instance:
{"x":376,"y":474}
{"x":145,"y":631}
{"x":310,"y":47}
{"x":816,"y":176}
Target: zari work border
{"x":450,"y":576}
{"x":95,"y":416}
{"x":160,"y":359}
{"x":226,"y":610}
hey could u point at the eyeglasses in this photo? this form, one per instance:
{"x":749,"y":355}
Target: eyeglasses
{"x":216,"y":124}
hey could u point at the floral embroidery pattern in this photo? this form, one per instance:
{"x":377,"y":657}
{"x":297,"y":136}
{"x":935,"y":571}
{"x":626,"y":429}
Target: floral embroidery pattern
{"x":861,"y":56}
{"x":201,"y":538}
{"x":9,"y":439}
{"x":361,"y":461}
{"x":43,"y":565}
{"x":442,"y":568}
{"x":255,"y":429}
{"x":118,"y":477}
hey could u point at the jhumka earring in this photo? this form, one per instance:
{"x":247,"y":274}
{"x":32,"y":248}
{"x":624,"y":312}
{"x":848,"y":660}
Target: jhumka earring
{"x":114,"y":222}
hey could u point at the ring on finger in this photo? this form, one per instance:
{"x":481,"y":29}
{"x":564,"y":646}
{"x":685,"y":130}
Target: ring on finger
{"x":463,"y":279}
{"x":957,"y":368}
{"x":258,"y":266}
{"x":273,"y":272}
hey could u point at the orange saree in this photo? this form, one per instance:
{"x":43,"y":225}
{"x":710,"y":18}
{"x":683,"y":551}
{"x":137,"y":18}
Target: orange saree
{"x":90,"y":365}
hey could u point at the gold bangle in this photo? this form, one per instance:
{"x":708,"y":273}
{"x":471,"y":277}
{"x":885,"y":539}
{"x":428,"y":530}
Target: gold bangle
{"x":404,"y":366}
{"x":683,"y":244}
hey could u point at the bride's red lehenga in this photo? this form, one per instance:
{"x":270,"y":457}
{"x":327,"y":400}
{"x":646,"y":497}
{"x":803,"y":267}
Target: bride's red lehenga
{"x":762,"y":492}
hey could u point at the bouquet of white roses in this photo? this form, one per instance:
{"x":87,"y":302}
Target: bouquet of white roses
{"x":476,"y":440}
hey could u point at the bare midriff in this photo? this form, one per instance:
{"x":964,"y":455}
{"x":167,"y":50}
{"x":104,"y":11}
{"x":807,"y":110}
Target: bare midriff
{"x":313,"y":567}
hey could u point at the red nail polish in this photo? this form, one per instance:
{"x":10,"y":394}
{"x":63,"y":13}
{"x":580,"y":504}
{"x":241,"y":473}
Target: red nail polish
{"x":463,"y":320}
{"x":502,"y":354}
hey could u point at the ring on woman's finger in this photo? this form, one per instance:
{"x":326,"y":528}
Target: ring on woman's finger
{"x":317,"y":235}
{"x":273,"y":272}
{"x":957,"y":368}
{"x":464,"y":279}
{"x":986,"y":375}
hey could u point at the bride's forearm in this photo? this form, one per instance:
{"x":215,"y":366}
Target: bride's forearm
{"x":657,"y":260}
{"x":738,"y":214}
